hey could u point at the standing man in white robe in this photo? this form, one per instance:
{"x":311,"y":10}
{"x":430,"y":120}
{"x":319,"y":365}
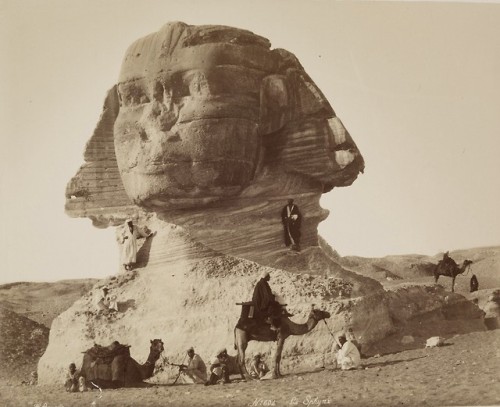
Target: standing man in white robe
{"x":127,"y":237}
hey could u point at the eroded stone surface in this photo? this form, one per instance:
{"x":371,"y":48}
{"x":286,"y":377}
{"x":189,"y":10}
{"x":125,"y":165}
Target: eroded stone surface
{"x":211,"y":129}
{"x":203,"y":113}
{"x":187,"y":295}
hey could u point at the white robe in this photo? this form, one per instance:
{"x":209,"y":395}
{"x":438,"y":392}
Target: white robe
{"x":128,"y":240}
{"x":348,"y":356}
{"x":103,"y":301}
{"x":196,"y":372}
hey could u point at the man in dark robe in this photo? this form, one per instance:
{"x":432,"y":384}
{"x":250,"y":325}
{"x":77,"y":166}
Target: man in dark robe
{"x":448,"y":260}
{"x":474,"y":284}
{"x":291,"y":219}
{"x":265,"y":305}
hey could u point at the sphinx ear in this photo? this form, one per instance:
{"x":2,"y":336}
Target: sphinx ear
{"x":275,"y":110}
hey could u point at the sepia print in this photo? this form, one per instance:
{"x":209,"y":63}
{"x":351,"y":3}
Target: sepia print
{"x":282,"y":203}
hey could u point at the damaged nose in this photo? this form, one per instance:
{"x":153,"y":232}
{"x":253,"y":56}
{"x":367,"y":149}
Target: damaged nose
{"x":159,"y":118}
{"x":163,"y":110}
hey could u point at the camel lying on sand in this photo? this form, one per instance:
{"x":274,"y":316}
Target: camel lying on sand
{"x":113,"y":367}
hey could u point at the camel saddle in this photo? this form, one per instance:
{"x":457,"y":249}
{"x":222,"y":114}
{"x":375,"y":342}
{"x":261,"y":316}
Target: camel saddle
{"x":248,"y":310}
{"x":105,"y":354}
{"x":448,"y":263}
{"x":257,"y":327}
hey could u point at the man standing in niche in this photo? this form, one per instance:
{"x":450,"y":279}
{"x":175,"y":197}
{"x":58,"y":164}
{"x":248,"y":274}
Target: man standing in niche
{"x":291,"y":219}
{"x":127,"y":237}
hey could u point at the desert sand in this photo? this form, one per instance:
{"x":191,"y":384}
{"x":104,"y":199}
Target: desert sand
{"x":464,"y":372}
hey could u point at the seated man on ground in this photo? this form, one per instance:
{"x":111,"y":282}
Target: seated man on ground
{"x":106,"y":303}
{"x":196,"y":371}
{"x":219,"y":370}
{"x":258,"y":368}
{"x":33,"y":380}
{"x":72,"y":380}
{"x":348,"y":356}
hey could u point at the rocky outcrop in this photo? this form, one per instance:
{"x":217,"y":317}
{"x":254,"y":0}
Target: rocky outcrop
{"x":22,"y":342}
{"x":410,"y":301}
{"x":187,"y":295}
{"x":492,"y":310}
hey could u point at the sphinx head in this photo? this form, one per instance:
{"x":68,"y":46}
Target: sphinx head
{"x":202,"y":114}
{"x":196,"y":102}
{"x":187,"y":131}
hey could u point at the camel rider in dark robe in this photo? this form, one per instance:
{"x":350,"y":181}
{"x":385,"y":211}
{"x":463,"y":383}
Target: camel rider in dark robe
{"x":448,"y":261}
{"x":291,"y":219}
{"x":266,"y":307}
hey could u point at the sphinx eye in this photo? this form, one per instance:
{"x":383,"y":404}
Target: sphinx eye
{"x":132,"y":94}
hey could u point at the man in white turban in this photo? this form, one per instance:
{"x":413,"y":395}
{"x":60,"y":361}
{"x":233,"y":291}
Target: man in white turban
{"x":196,"y":370}
{"x":219,"y":369}
{"x":348,"y":357}
{"x":264,"y":301}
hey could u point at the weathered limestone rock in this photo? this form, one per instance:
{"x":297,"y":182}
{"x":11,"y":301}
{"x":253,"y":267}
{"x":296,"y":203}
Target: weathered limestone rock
{"x":434,"y":342}
{"x":187,"y":295}
{"x":211,"y":130}
{"x":492,"y":310}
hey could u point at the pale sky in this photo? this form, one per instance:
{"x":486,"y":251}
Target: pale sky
{"x":417,"y":85}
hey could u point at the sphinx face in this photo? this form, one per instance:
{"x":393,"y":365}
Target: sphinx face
{"x":187,"y":130}
{"x":194,"y":103}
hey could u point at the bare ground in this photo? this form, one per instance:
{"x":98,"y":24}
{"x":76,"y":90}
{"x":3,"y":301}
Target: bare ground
{"x":464,"y":372}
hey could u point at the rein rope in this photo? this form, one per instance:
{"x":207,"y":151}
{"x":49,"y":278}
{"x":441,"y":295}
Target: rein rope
{"x":331,"y":333}
{"x":358,"y":337}
{"x":469,"y":267}
{"x":165,"y":360}
{"x":328,"y":328}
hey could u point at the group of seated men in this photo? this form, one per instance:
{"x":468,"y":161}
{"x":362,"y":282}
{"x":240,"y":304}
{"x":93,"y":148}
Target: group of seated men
{"x":221,"y":366}
{"x":194,"y":372}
